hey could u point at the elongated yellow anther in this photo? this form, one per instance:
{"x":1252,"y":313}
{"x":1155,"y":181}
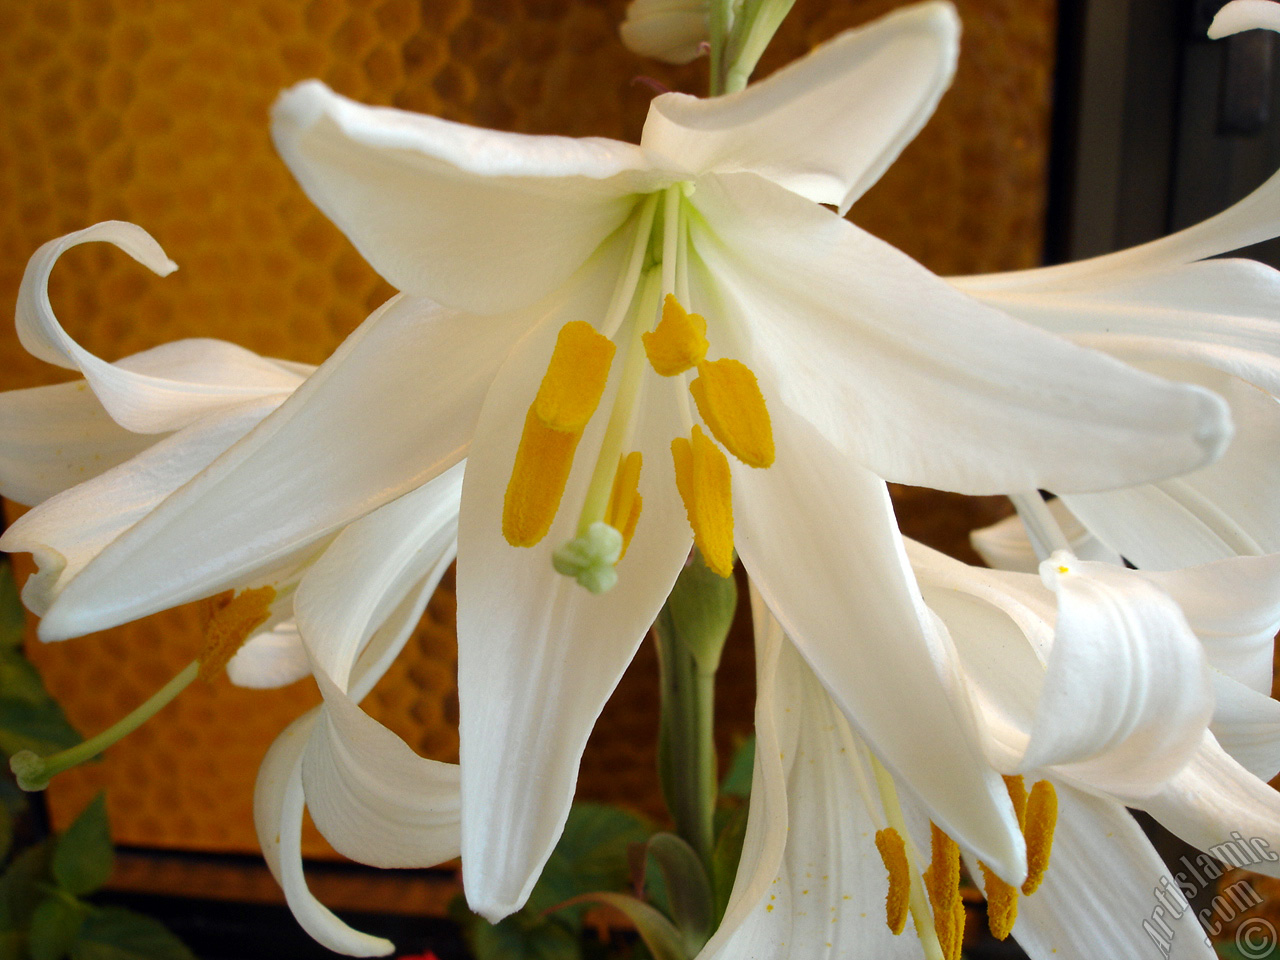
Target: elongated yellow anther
{"x":1018,"y":795}
{"x":1042,"y":817}
{"x":623,"y":512}
{"x":575,"y":379}
{"x":229,"y":619}
{"x":942,"y":880}
{"x":679,"y":342}
{"x":730,"y":401}
{"x":1002,"y":903}
{"x":702,"y":477}
{"x":897,"y":901}
{"x":537,"y":481}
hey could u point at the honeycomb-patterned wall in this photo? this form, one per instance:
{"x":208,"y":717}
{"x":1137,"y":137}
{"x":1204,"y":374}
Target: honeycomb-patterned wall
{"x":155,"y":111}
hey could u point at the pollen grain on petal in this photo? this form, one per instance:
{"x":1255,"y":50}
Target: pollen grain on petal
{"x":537,"y":483}
{"x":623,"y":512}
{"x":1042,"y":817}
{"x":729,"y":400}
{"x":702,"y":477}
{"x":575,"y":379}
{"x":229,"y":620}
{"x":678,"y":343}
{"x":1002,"y":903}
{"x":893,"y":853}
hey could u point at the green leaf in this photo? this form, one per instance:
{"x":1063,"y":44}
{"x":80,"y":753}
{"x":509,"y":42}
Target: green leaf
{"x":19,"y":679}
{"x":687,"y":888}
{"x":724,"y":859}
{"x":82,"y":858}
{"x":513,"y":939}
{"x":12,"y":944}
{"x":737,"y":781}
{"x":39,"y":727}
{"x":658,"y":933}
{"x":111,"y":933}
{"x":19,"y":890}
{"x":591,"y":854}
{"x":12,"y":619}
{"x":55,"y":927}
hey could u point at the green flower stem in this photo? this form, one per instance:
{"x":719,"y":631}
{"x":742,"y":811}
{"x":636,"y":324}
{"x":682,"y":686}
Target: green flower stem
{"x":34,"y":772}
{"x":719,"y":21}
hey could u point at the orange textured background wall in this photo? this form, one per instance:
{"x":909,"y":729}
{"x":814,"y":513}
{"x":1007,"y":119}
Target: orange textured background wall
{"x":156,"y":112}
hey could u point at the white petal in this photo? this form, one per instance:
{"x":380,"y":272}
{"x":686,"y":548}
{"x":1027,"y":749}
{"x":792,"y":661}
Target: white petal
{"x":1099,"y":896}
{"x":669,"y":30}
{"x":371,"y":796}
{"x":393,"y":407}
{"x":52,"y":438}
{"x":830,"y":124}
{"x":1234,"y":608}
{"x":138,"y":400}
{"x":277,"y":814}
{"x":1006,"y":546}
{"x":270,"y":659}
{"x":1213,"y":799}
{"x":69,"y":531}
{"x":1244,"y":15}
{"x":1127,"y":692}
{"x":818,"y":537}
{"x":946,"y":392}
{"x":476,"y":219}
{"x":1247,"y":726}
{"x":370,"y":567}
{"x":537,"y":654}
{"x":813,"y":884}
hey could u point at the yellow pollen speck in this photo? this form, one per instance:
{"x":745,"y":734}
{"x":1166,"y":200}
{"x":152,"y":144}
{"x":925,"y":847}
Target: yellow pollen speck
{"x":678,"y":343}
{"x":623,"y":512}
{"x":1042,"y":817}
{"x":702,"y":477}
{"x":730,"y":401}
{"x":229,"y":619}
{"x":1002,"y":903}
{"x":942,"y":881}
{"x":897,"y":901}
{"x":1064,"y":570}
{"x":537,"y":481}
{"x":575,"y":379}
{"x":768,"y":908}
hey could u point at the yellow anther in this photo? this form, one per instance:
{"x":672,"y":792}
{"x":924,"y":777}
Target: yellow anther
{"x":575,"y":379}
{"x":229,"y":619}
{"x":623,"y":512}
{"x":897,"y":901}
{"x":679,"y":342}
{"x":942,"y":880}
{"x":702,"y":477}
{"x":537,"y":481}
{"x":730,"y":401}
{"x":1002,"y":903}
{"x":1018,"y":794}
{"x":1042,"y":817}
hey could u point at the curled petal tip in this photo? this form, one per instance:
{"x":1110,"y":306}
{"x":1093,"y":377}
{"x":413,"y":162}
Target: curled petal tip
{"x":1241,"y":15}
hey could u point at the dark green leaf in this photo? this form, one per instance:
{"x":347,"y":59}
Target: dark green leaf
{"x":55,"y":927}
{"x":513,"y":940}
{"x":12,"y":620}
{"x":687,"y":888}
{"x":591,"y":854}
{"x":737,"y":781}
{"x":19,"y":890}
{"x":19,"y":680}
{"x":6,"y":830}
{"x":82,"y":857}
{"x":39,"y":727}
{"x":725,"y":857}
{"x":115,"y":934}
{"x":12,"y":944}
{"x":658,"y":933}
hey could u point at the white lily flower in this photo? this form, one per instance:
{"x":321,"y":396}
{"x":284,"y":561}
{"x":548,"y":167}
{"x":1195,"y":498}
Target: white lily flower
{"x":503,"y":244}
{"x":1167,"y":307}
{"x":812,"y":882}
